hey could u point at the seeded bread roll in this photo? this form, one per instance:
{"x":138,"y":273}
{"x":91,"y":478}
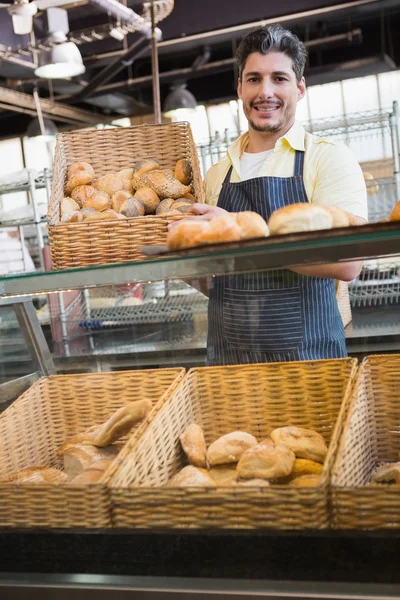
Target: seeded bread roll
{"x":110,"y":184}
{"x":76,"y":167}
{"x":183,"y":171}
{"x":299,"y":217}
{"x":142,"y":167}
{"x":229,"y":448}
{"x":163,"y":184}
{"x":264,"y":462}
{"x":99,"y":201}
{"x":148,"y":198}
{"x":126,"y":176}
{"x":305,"y":443}
{"x":192,"y":477}
{"x":68,"y":207}
{"x":129,"y":207}
{"x":194,"y":445}
{"x":164,"y":206}
{"x":79,"y":178}
{"x":83,"y":193}
{"x":182,"y":205}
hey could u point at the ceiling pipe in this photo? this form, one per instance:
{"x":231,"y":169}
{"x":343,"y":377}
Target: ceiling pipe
{"x":122,"y":13}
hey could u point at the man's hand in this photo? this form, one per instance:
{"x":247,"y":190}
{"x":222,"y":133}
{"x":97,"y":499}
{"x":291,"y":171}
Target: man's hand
{"x":203,"y":212}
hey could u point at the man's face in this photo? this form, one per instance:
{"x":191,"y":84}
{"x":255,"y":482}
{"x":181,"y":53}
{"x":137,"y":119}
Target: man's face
{"x":269,"y":92}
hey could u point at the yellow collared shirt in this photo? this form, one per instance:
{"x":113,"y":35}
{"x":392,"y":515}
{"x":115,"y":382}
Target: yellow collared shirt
{"x":332,"y":175}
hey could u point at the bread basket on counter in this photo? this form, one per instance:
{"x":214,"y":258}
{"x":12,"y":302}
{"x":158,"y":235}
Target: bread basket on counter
{"x":43,"y":418}
{"x":252,"y":398}
{"x":371,"y":437}
{"x":108,"y":151}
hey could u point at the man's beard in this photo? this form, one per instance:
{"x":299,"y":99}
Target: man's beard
{"x":267,"y":127}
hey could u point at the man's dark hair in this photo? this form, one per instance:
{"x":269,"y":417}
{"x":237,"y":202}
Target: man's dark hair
{"x":273,"y":39}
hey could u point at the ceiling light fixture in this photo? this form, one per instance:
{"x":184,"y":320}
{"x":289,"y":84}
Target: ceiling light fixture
{"x":179,"y":97}
{"x":64,"y":60}
{"x":34,"y":129}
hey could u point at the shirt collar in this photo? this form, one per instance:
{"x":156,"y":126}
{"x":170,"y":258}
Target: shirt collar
{"x":294,"y":137}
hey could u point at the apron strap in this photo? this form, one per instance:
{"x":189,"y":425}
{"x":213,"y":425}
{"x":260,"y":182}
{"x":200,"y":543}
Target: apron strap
{"x":228,"y":176}
{"x":299,"y":163}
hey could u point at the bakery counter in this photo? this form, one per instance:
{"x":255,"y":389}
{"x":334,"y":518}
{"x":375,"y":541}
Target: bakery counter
{"x":190,"y":564}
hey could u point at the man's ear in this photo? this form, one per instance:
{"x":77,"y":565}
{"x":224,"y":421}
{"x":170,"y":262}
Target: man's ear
{"x":239,"y":88}
{"x":301,"y":89}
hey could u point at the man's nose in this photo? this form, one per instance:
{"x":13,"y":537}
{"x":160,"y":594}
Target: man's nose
{"x":266,"y":89}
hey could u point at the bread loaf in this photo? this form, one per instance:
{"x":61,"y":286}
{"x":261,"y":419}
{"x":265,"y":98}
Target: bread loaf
{"x":148,"y":198}
{"x":306,"y":481}
{"x":299,"y":217}
{"x":121,"y":422}
{"x":229,"y":448}
{"x":78,"y":166}
{"x":192,"y":477}
{"x":224,"y":475}
{"x":93,"y":473}
{"x":388,"y":473}
{"x":256,"y":483}
{"x":305,"y":443}
{"x":264,"y":462}
{"x":395,"y":214}
{"x":79,"y":178}
{"x":79,"y":457}
{"x":188,"y":234}
{"x":194,"y":445}
{"x":223,"y":228}
{"x":110,"y":184}
{"x":68,"y":207}
{"x":340,"y":218}
{"x":251,"y":225}
{"x":142,"y":167}
{"x":183,"y":171}
{"x":163,"y":184}
{"x":164,"y":206}
{"x":36,"y":475}
{"x":303,"y":466}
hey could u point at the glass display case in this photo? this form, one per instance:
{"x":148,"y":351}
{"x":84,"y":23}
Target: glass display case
{"x":161,"y":319}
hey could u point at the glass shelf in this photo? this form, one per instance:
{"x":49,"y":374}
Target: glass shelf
{"x":369,"y":241}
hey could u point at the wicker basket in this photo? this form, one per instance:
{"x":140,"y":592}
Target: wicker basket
{"x":108,"y":151}
{"x":253,"y":398}
{"x":52,"y":410}
{"x":371,"y":436}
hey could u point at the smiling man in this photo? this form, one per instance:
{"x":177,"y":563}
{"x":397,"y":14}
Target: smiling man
{"x":288,"y":314}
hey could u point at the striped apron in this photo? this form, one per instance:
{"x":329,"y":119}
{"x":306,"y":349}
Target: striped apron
{"x":277,"y":315}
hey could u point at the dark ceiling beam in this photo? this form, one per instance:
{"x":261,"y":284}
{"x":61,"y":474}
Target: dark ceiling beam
{"x":33,"y":113}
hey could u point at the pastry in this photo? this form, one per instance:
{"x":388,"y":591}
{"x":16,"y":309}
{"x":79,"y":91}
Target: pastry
{"x":303,"y":466}
{"x":305,"y":443}
{"x":183,"y":171}
{"x":229,"y":448}
{"x":79,"y":457}
{"x":389,"y":473}
{"x":265,"y":462}
{"x":299,"y":217}
{"x":306,"y":481}
{"x":224,"y":475}
{"x":251,"y":225}
{"x":163,"y":184}
{"x":194,"y":445}
{"x":68,"y":207}
{"x":192,"y":477}
{"x":148,"y":198}
{"x":142,"y":167}
{"x":79,"y":178}
{"x":110,"y":184}
{"x":78,"y":166}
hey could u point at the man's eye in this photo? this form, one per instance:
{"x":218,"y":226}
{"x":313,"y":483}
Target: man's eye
{"x":252,"y":80}
{"x":281,"y":79}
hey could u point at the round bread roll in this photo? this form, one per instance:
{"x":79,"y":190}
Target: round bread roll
{"x":148,"y":198}
{"x":229,"y":448}
{"x":126,"y":176}
{"x":68,"y":207}
{"x":303,"y":466}
{"x":372,"y":186}
{"x":110,"y":184}
{"x":395,"y":214}
{"x":79,"y":166}
{"x":299,"y":217}
{"x":192,"y":477}
{"x":306,"y":481}
{"x":305,"y":443}
{"x":76,"y":217}
{"x":182,"y":205}
{"x":224,"y":475}
{"x":99,"y":201}
{"x":352,"y":220}
{"x":83,"y":192}
{"x":194,"y":445}
{"x":164,"y":206}
{"x":340,"y":218}
{"x":132,"y":207}
{"x":118,"y":199}
{"x":264,"y":462}
{"x":187,"y":234}
{"x":183,"y":171}
{"x":223,"y":228}
{"x":163,"y":183}
{"x":79,"y":178}
{"x":142,"y":167}
{"x":389,"y":473}
{"x":86,"y":212}
{"x":97,"y":216}
{"x":251,"y":225}
{"x":113,"y":215}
